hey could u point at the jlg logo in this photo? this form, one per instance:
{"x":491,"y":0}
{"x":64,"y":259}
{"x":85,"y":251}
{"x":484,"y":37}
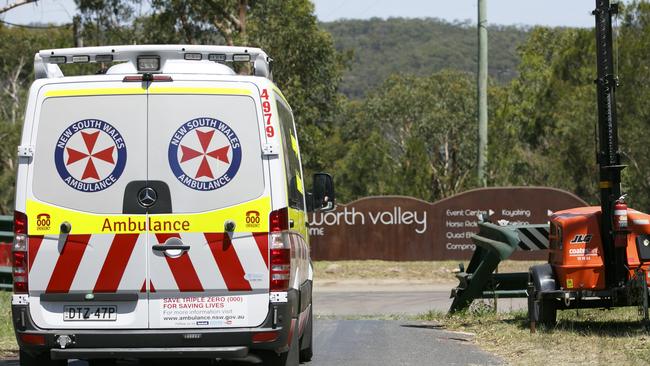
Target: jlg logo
{"x":581,"y":239}
{"x":252,"y":219}
{"x":43,"y":222}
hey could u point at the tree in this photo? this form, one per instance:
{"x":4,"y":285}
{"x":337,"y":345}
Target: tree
{"x":17,"y":48}
{"x":367,"y":169}
{"x":306,"y":65}
{"x":415,"y":170}
{"x":383,"y":47}
{"x":419,"y":130}
{"x":543,"y":129}
{"x":307,"y":68}
{"x":106,"y":22}
{"x":633,"y":95}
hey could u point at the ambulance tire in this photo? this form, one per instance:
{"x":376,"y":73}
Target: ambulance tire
{"x":306,"y":341}
{"x":289,"y":358}
{"x":42,"y":359}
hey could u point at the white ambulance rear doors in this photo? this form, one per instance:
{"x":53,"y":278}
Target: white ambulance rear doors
{"x":89,"y":142}
{"x":205,"y":144}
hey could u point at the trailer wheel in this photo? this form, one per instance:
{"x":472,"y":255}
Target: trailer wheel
{"x":547,"y":312}
{"x":541,"y":311}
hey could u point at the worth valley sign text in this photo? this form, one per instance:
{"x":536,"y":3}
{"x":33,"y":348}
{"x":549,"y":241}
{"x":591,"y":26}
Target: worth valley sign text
{"x":405,"y":228}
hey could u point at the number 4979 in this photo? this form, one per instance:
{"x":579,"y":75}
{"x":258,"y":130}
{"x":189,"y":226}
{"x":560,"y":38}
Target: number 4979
{"x":266,"y":109}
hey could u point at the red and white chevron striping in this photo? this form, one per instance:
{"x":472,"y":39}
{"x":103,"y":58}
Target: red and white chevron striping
{"x":118,"y":263}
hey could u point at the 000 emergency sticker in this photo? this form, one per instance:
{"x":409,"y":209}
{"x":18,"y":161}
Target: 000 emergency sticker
{"x":90,"y":155}
{"x":204,"y":154}
{"x":203,"y":311}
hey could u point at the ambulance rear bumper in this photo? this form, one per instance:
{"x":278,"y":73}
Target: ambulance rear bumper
{"x":224,"y":343}
{"x":178,"y":352}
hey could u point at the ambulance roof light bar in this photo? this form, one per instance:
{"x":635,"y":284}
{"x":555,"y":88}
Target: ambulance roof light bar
{"x":145,"y":57}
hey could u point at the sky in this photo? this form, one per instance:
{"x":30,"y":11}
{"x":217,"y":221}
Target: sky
{"x":575,"y":13}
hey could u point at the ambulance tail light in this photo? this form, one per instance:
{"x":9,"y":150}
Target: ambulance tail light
{"x":19,"y":253}
{"x":279,"y":220}
{"x":280,"y":250}
{"x":34,"y":339}
{"x":264,"y":337}
{"x":280,"y":263}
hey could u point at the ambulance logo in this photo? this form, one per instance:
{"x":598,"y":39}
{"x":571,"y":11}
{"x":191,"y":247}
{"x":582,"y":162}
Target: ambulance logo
{"x":90,"y":155}
{"x":204,"y":154}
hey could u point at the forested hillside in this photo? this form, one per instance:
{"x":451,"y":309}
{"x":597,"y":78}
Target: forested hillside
{"x":420,"y":47}
{"x":410,"y":126}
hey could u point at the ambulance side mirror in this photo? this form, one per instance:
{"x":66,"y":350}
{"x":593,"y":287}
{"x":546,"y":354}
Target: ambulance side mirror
{"x":309,"y":199}
{"x":323,"y":197}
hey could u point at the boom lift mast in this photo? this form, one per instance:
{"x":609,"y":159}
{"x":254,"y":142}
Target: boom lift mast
{"x":608,"y":156}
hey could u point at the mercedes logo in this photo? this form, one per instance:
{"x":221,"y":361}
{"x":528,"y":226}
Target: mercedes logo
{"x":147,"y":197}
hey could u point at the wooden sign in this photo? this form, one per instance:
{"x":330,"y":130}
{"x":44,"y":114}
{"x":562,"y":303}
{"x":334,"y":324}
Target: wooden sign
{"x":408,"y":229}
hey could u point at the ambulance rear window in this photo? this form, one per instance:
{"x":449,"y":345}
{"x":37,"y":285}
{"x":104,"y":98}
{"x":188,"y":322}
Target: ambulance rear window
{"x":87,"y":149}
{"x":207,"y":148}
{"x":203,"y":150}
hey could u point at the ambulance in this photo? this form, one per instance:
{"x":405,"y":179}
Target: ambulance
{"x":161,"y":210}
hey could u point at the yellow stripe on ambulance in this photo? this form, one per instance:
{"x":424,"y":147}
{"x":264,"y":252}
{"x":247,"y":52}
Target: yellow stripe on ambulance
{"x":46,"y":219}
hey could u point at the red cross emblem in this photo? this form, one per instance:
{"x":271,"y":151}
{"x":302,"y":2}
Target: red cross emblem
{"x":92,"y":155}
{"x":218,"y":154}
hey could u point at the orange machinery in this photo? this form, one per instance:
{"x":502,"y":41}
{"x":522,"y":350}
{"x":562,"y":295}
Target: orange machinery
{"x":599,"y":256}
{"x":576,"y":247}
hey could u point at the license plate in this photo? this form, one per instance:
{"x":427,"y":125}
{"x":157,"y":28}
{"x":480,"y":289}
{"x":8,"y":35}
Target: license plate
{"x":93,"y":312}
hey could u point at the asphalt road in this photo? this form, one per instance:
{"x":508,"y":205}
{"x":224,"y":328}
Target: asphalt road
{"x":346,"y":300}
{"x":377,"y":343}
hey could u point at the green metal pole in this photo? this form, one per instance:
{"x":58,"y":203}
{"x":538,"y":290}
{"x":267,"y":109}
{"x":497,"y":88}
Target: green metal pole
{"x":482,"y":92}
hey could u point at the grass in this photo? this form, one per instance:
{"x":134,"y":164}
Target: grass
{"x":8,"y":346}
{"x":434,"y":272}
{"x":588,"y":337}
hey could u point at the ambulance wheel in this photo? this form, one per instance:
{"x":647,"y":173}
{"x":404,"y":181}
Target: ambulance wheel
{"x":43,"y":359}
{"x":306,"y":341}
{"x":288,"y":358}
